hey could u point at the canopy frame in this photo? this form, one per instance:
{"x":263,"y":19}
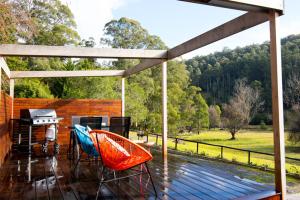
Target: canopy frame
{"x":257,"y":12}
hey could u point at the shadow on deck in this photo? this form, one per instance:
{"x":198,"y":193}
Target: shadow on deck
{"x":177,"y":178}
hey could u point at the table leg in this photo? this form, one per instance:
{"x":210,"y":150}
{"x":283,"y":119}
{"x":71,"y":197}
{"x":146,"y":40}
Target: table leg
{"x":30,"y":133}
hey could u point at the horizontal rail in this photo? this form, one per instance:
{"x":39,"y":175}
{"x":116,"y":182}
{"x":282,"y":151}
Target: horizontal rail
{"x":222,"y":146}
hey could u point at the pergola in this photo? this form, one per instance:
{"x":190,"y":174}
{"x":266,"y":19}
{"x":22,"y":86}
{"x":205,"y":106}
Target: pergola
{"x":257,"y":12}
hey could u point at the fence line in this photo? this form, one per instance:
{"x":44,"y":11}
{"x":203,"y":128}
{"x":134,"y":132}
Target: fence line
{"x":222,"y":147}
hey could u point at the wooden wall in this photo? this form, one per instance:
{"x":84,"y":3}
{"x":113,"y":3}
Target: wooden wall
{"x":67,"y":108}
{"x":5,"y":115}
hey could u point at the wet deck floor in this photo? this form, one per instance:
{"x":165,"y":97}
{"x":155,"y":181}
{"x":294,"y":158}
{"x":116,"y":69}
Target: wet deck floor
{"x":52,"y":178}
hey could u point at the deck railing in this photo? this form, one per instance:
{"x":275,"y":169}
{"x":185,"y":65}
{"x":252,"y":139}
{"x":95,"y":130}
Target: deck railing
{"x":292,"y":169}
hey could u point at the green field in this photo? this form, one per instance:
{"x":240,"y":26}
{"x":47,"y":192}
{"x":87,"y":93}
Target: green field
{"x":254,"y":140}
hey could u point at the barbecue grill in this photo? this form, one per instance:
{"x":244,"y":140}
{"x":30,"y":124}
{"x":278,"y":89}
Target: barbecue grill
{"x":41,"y":117}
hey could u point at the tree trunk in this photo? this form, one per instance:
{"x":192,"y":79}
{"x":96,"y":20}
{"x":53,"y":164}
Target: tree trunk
{"x":232,"y":135}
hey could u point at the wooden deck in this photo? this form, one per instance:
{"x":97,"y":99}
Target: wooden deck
{"x":52,"y":178}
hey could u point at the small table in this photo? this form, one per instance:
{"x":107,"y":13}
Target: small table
{"x":145,"y":144}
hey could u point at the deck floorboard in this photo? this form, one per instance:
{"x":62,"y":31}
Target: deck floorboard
{"x":49,"y":177}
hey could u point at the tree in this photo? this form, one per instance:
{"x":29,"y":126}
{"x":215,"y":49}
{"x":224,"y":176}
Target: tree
{"x":292,"y":91}
{"x":144,"y":93}
{"x":15,"y":22}
{"x":214,"y":116}
{"x":7,"y":23}
{"x":195,"y":110}
{"x":201,"y":119}
{"x":128,"y":33}
{"x":32,"y":88}
{"x":89,"y":87}
{"x":241,"y":107}
{"x":292,"y":99}
{"x":47,"y":22}
{"x":55,"y":23}
{"x":233,"y":117}
{"x":135,"y":104}
{"x":293,"y":119}
{"x":216,"y":73}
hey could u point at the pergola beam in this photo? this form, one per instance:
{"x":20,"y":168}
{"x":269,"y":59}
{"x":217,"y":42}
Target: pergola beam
{"x":227,"y":29}
{"x":53,"y":74}
{"x":78,"y":52}
{"x":4,"y":66}
{"x":144,"y":64}
{"x":246,"y":5}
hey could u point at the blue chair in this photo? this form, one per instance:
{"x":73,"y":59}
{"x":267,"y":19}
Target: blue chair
{"x":85,"y":142}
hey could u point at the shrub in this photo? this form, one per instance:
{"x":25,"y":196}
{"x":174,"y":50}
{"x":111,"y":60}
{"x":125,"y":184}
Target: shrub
{"x":263,"y":125}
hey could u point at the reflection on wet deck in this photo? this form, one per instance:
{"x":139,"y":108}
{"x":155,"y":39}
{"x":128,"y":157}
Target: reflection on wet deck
{"x":175,"y":178}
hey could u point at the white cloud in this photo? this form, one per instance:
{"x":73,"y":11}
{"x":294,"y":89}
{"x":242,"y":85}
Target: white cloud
{"x":92,"y":15}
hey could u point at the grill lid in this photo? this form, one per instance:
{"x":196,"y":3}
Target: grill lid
{"x":37,"y":113}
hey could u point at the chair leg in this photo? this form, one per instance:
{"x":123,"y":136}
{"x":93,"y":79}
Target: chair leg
{"x":151,"y":179}
{"x":101,"y":182}
{"x":70,"y":146}
{"x":76,"y":164}
{"x":99,"y":190}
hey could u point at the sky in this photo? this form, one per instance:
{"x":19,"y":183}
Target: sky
{"x":175,"y":21}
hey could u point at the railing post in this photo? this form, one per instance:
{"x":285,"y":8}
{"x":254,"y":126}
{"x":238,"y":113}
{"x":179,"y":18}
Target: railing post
{"x":197,"y":147}
{"x":249,"y":161}
{"x":221,"y":152}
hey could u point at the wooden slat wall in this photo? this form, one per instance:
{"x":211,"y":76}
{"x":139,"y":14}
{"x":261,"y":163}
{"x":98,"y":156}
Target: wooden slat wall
{"x":67,"y":108}
{"x":5,"y":111}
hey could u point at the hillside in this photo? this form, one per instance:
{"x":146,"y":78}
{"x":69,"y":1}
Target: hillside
{"x":216,"y":73}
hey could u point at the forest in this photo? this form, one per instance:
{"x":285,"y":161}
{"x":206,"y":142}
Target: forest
{"x":200,"y":90}
{"x":217,"y":74}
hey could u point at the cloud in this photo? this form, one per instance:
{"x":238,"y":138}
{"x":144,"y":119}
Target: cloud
{"x":92,"y":15}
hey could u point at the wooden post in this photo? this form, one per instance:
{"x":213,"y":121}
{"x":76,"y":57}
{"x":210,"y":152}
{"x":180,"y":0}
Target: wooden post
{"x":164,"y":111}
{"x":12,"y":88}
{"x":277,"y":105}
{"x":123,"y":97}
{"x":166,"y":180}
{"x":12,"y":95}
{"x":249,"y":158}
{"x":0,"y":84}
{"x":221,"y":152}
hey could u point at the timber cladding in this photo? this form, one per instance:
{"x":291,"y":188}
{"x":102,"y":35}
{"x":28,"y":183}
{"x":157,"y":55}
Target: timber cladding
{"x":5,"y":115}
{"x":66,"y":108}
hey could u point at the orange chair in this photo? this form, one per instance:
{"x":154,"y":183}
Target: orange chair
{"x":119,"y":154}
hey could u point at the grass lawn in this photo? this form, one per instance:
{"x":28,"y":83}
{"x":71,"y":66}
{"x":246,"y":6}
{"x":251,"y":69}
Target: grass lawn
{"x":254,"y":140}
